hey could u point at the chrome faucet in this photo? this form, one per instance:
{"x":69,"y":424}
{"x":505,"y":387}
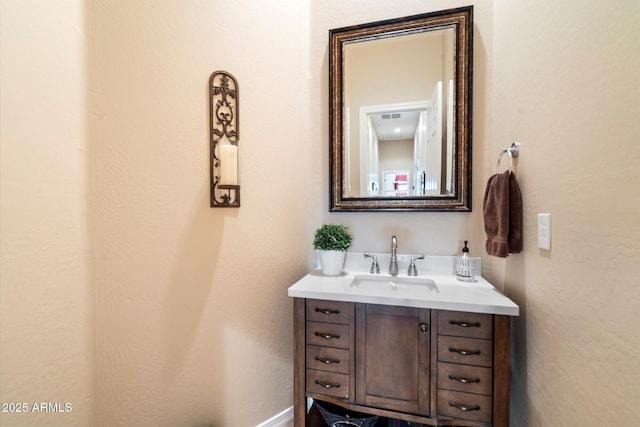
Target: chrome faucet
{"x":393,"y":265}
{"x":375,"y":268}
{"x":413,"y":271}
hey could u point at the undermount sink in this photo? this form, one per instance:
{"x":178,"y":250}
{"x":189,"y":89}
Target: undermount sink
{"x":394,"y":283}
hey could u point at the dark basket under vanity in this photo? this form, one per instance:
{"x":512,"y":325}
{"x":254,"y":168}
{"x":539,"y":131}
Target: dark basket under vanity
{"x":335,"y":416}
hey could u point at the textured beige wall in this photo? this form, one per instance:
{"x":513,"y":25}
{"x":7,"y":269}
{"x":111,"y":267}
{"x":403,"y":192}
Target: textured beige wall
{"x":567,"y":85}
{"x":193,"y":320}
{"x":191,"y":324}
{"x":46,"y":301}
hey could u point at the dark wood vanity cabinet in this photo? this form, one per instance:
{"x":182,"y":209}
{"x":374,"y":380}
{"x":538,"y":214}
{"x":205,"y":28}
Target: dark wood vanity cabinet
{"x":465,"y":365}
{"x":328,"y":348}
{"x":432,"y":367}
{"x":392,"y":358}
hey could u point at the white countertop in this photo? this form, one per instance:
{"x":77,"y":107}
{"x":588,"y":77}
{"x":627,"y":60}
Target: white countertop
{"x":447,"y":294}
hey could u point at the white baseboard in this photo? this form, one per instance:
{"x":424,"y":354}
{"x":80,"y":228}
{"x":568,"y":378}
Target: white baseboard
{"x":280,"y":420}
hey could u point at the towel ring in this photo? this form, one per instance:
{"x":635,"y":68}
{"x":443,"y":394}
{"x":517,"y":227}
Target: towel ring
{"x":513,"y":152}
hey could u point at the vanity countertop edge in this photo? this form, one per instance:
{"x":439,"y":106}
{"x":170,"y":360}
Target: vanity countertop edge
{"x":476,"y":297}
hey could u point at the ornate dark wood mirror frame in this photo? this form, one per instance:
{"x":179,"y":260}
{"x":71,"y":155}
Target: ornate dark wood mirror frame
{"x":457,"y":197}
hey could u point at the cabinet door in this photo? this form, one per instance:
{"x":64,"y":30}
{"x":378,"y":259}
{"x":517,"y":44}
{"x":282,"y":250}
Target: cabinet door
{"x":393,"y":358}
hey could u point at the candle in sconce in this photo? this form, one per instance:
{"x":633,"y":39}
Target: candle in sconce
{"x":228,"y":164}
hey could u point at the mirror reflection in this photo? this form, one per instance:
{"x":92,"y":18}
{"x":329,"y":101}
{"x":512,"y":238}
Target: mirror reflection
{"x":399,"y":110}
{"x":400,"y":145}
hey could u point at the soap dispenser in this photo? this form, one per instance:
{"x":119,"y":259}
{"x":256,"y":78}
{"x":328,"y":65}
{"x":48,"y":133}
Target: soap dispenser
{"x":465,"y":270}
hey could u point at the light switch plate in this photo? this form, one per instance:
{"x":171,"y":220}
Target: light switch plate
{"x":544,"y":231}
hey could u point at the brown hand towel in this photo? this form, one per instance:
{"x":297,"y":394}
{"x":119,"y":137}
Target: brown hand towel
{"x":496,"y":214}
{"x":502,"y":209}
{"x":514,"y":238}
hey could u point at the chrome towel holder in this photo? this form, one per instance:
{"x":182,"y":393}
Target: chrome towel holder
{"x":513,"y":152}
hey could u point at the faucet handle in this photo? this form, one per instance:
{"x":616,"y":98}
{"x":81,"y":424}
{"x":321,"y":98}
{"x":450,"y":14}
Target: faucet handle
{"x":413,"y":271}
{"x":375,"y":268}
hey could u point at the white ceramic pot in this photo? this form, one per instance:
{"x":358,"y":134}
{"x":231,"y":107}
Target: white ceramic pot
{"x":332,"y":262}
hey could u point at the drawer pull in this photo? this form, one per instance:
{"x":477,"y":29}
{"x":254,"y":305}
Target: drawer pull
{"x":327,"y":385}
{"x":424,"y":328}
{"x":327,"y":361}
{"x":464,"y":380}
{"x":464,"y":352}
{"x":327,"y":336}
{"x":326,"y":310}
{"x":464,"y":324}
{"x":464,"y":407}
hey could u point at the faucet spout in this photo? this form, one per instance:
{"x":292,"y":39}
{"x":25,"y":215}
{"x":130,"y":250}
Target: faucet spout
{"x":393,"y":265}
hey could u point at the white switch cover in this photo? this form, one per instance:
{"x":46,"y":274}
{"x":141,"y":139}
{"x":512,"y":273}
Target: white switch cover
{"x":544,"y":231}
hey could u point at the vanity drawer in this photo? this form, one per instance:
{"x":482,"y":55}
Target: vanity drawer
{"x":327,"y":334}
{"x":467,"y":378}
{"x":327,"y":359}
{"x":462,"y":324}
{"x":468,"y":351}
{"x":328,"y":311}
{"x":329,"y":383}
{"x":467,"y":406}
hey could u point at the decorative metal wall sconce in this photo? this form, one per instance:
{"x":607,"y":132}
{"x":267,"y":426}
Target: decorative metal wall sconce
{"x":224,"y":134}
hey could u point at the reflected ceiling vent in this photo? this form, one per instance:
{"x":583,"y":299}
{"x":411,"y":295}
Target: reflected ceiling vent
{"x":387,"y":123}
{"x":391,"y":116}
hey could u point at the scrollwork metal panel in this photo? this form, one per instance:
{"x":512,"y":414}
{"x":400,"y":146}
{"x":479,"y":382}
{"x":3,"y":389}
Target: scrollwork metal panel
{"x":224,"y":129}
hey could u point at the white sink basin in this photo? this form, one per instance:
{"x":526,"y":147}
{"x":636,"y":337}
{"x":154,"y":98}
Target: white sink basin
{"x":413,"y":284}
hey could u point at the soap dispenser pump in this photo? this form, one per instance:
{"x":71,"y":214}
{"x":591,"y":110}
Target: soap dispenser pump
{"x":465,"y":270}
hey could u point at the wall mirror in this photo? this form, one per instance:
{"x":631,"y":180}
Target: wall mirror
{"x":400,"y":113}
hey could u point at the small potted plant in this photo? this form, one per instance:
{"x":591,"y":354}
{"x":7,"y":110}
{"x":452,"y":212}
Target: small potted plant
{"x":332,"y":242}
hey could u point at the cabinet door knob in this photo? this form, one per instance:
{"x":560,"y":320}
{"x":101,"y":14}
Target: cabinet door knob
{"x":424,"y":328}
